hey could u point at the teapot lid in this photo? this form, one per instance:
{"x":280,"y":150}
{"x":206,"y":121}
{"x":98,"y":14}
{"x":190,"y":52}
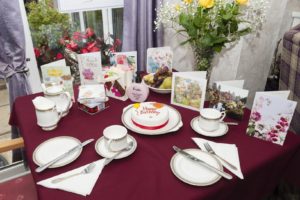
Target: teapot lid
{"x":42,"y":103}
{"x":54,"y":90}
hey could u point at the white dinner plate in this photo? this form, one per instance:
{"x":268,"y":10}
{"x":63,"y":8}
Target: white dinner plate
{"x":222,"y":130}
{"x":54,"y":147}
{"x":192,"y":172}
{"x":104,"y":152}
{"x":173,"y":124}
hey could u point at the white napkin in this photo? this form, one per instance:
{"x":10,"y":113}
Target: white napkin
{"x":80,"y":184}
{"x":228,"y":152}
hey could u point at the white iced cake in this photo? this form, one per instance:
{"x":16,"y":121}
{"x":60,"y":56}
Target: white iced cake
{"x":150,"y":115}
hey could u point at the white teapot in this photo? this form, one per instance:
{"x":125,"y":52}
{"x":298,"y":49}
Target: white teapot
{"x":46,"y":113}
{"x":61,"y":99}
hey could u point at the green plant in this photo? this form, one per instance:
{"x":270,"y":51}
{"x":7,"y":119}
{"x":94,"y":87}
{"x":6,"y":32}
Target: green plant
{"x":47,"y":27}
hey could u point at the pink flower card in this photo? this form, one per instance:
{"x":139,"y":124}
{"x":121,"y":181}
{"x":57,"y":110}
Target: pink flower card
{"x":270,"y":117}
{"x":90,"y":67}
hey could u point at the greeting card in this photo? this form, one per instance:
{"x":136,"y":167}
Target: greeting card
{"x":57,"y":75}
{"x":116,"y":81}
{"x":271,"y":116}
{"x":229,"y":96}
{"x":90,"y":67}
{"x":188,"y":90}
{"x":159,"y":57}
{"x":127,"y":61}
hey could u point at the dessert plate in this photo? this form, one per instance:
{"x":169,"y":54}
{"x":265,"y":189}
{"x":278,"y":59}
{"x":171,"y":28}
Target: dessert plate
{"x":192,"y":172}
{"x":104,"y":152}
{"x":173,"y":124}
{"x":54,"y":147}
{"x":223,"y":129}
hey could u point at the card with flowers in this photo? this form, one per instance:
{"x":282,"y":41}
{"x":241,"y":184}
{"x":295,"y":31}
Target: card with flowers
{"x":270,"y":117}
{"x":159,"y":57}
{"x":90,"y":67}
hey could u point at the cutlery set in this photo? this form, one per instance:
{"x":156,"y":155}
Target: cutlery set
{"x":205,"y":164}
{"x":87,"y":169}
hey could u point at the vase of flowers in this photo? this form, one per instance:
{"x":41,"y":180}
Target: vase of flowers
{"x":208,"y":25}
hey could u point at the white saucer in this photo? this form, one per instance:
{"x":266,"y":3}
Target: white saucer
{"x":49,"y":128}
{"x":104,"y":152}
{"x":173,"y":124}
{"x":193,"y":173}
{"x":223,"y":129}
{"x":54,"y":147}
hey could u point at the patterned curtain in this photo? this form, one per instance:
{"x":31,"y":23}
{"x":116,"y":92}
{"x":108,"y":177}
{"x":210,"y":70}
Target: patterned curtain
{"x":138,"y":29}
{"x":12,"y":54}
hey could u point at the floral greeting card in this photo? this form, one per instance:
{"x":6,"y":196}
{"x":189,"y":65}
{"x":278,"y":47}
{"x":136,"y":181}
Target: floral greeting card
{"x":90,"y":67}
{"x":159,"y":57}
{"x":188,"y":90}
{"x":58,"y":75}
{"x":270,"y":117}
{"x":229,"y":96}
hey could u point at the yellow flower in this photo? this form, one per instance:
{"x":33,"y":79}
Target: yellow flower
{"x":177,"y":7}
{"x":55,"y":72}
{"x":242,"y":2}
{"x":136,"y":105}
{"x":188,"y":1}
{"x":206,"y":3}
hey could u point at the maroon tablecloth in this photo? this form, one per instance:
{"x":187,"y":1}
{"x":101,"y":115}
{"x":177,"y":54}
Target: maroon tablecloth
{"x":146,"y":174}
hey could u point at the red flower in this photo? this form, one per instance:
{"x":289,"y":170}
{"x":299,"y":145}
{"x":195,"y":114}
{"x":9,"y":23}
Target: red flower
{"x":89,"y":32}
{"x":68,"y":46}
{"x":62,"y":41}
{"x":84,"y":50}
{"x":37,"y":52}
{"x":59,"y":56}
{"x":90,"y":45}
{"x":117,"y":42}
{"x":76,"y":36}
{"x":94,"y":49}
{"x":73,"y":45}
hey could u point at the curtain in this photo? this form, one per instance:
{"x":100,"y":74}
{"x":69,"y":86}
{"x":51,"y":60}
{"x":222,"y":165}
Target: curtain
{"x":138,"y":29}
{"x":12,"y":55}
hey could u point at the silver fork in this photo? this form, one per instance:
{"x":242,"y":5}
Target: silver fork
{"x":86,"y":170}
{"x":211,"y":151}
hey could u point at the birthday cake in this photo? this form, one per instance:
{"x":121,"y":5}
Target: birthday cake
{"x":150,"y":115}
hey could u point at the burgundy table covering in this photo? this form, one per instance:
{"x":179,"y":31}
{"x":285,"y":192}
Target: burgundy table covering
{"x":146,"y":174}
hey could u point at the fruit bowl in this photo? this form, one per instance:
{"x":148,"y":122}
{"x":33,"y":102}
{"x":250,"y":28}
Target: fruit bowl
{"x":157,"y":90}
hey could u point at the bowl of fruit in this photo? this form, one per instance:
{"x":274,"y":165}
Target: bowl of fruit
{"x":160,"y":81}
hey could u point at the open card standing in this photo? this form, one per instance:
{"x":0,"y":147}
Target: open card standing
{"x":57,"y":75}
{"x":188,"y":90}
{"x":271,"y":116}
{"x":90,"y":67}
{"x":159,"y":57}
{"x":229,"y":96}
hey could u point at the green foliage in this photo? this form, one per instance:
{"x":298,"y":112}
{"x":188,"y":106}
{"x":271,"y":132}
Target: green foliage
{"x":43,"y":13}
{"x":46,"y":23}
{"x":198,"y":26}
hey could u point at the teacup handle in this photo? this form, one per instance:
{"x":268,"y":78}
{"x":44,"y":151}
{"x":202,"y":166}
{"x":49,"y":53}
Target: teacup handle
{"x":68,"y":96}
{"x":59,"y":113}
{"x":109,"y":143}
{"x":223,"y":115}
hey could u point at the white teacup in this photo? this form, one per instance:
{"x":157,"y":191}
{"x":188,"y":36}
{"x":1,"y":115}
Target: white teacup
{"x":115,"y":137}
{"x":46,"y":112}
{"x":210,"y":118}
{"x":62,"y":99}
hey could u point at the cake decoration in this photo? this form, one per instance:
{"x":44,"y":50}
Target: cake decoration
{"x":150,"y":115}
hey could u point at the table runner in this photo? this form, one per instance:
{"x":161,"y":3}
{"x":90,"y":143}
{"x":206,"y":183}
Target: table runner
{"x":146,"y":174}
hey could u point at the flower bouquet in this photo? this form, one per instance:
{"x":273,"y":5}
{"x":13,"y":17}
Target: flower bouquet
{"x":209,"y":24}
{"x":87,"y":42}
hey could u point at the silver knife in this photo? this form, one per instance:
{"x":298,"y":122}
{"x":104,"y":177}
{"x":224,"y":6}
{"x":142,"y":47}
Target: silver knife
{"x":76,"y":148}
{"x":201,"y":162}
